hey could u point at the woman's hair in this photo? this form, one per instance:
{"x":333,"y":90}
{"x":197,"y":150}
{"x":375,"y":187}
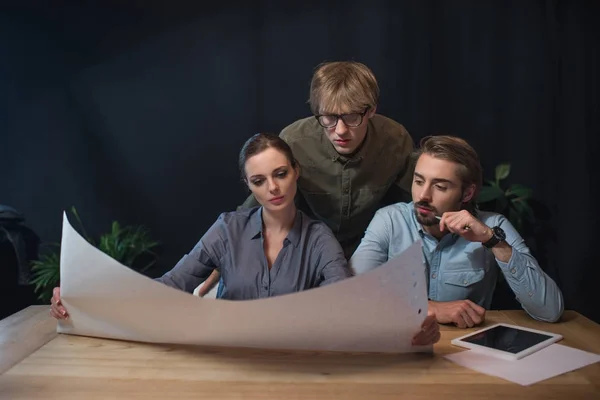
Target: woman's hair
{"x":343,"y":83}
{"x":456,"y":150}
{"x":259,"y":143}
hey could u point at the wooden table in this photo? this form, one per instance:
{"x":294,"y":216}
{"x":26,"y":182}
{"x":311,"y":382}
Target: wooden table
{"x":49,"y":366}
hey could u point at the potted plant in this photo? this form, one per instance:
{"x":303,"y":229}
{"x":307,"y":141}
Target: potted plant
{"x":130,"y":245}
{"x":512,"y":201}
{"x":529,"y":217}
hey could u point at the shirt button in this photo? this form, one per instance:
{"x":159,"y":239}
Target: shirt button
{"x":465,"y":281}
{"x":513,"y":271}
{"x":530,"y":294}
{"x":434,"y":276}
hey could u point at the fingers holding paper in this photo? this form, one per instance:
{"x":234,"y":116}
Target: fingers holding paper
{"x":430,"y":331}
{"x":57,"y":310}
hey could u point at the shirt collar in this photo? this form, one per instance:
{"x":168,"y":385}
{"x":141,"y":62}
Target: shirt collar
{"x":294,"y":235}
{"x":413,"y":219}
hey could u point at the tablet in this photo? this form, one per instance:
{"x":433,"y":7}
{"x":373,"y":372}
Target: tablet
{"x":510,"y":342}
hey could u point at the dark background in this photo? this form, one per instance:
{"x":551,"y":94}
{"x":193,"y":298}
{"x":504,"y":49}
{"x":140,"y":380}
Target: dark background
{"x":135,"y":112}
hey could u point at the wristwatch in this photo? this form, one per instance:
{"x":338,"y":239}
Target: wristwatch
{"x":498,"y":236}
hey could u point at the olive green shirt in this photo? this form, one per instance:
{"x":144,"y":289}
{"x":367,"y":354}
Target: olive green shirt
{"x":344,"y":192}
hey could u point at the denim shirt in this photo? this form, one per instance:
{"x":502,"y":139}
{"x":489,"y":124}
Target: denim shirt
{"x":310,"y":257}
{"x":458,"y":269}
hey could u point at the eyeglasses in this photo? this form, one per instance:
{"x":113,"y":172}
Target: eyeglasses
{"x":351,"y":120}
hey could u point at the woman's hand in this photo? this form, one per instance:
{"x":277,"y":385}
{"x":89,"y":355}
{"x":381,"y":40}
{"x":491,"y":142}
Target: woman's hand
{"x":209,"y":283}
{"x":57,"y":310}
{"x":430,"y":331}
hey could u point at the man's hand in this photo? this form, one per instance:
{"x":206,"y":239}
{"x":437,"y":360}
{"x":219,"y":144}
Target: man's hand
{"x":209,"y":283}
{"x":462,"y":313}
{"x":429,"y":333}
{"x":463,"y":223}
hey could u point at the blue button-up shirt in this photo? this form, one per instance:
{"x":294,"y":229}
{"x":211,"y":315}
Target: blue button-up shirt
{"x":310,"y":257}
{"x":458,"y":269}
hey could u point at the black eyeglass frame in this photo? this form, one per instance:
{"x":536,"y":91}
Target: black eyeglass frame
{"x":341,"y":116}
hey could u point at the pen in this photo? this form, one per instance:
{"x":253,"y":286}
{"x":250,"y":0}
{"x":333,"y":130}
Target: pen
{"x":466,"y":227}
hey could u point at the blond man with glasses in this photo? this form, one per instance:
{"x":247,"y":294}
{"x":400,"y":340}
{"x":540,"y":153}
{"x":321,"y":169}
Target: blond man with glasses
{"x":352,"y":160}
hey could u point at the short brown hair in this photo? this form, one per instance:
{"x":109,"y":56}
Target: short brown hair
{"x":456,"y":150}
{"x":259,"y":143}
{"x":339,"y":83}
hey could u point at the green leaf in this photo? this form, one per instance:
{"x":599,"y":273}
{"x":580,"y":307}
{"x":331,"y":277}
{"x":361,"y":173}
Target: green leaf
{"x":45,"y":275}
{"x":502,"y":171}
{"x":489,"y":193}
{"x":124,"y":244}
{"x":144,"y":268}
{"x":519,"y":191}
{"x":116,"y":229}
{"x":524,"y":209}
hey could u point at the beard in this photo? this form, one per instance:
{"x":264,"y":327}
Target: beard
{"x":429,"y":220}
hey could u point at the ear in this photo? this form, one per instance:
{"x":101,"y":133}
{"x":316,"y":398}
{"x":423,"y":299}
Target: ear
{"x":371,"y":111}
{"x":468,"y":193}
{"x":297,"y":169}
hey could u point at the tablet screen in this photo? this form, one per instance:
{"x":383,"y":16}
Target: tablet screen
{"x":507,"y":339}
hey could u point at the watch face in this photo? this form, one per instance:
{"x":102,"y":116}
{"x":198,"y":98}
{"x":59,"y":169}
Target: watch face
{"x":499,"y":233}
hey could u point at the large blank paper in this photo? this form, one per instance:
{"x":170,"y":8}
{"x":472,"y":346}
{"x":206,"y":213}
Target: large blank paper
{"x":546,"y":363}
{"x":378,"y":311}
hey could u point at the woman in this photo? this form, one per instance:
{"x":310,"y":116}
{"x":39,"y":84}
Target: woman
{"x":269,"y":250}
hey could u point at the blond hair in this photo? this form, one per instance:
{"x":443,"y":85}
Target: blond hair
{"x":343,"y":83}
